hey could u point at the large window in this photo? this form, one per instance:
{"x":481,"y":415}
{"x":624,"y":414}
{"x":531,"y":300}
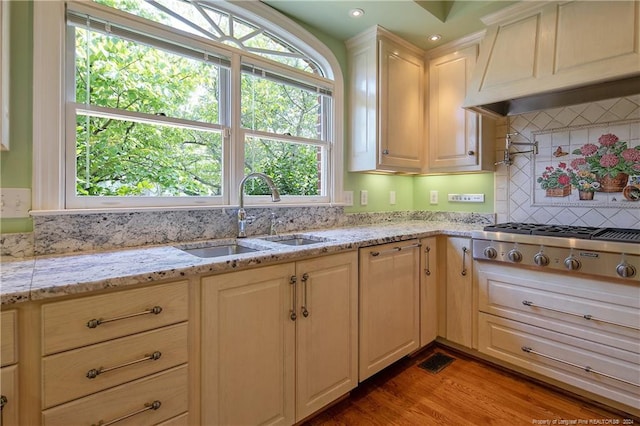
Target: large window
{"x":171,"y":103}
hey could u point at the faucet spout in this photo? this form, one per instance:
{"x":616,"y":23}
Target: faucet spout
{"x":242,"y":214}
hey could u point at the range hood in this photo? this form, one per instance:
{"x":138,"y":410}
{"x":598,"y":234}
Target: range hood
{"x":561,"y":98}
{"x":536,"y":56}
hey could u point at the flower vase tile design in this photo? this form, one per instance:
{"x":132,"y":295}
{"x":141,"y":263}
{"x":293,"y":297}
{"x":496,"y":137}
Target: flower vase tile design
{"x":556,"y":181}
{"x":611,"y":160}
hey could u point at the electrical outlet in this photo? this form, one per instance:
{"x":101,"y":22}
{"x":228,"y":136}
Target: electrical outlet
{"x":433,"y":197}
{"x":364,"y":197}
{"x":347,"y":198}
{"x":466,"y":198}
{"x":392,"y":197}
{"x":15,"y":202}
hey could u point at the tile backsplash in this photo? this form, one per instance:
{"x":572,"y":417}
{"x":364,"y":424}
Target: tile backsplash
{"x":560,"y":134}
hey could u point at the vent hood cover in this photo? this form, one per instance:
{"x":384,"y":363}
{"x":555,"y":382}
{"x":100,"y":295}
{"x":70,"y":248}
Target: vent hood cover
{"x":536,"y":57}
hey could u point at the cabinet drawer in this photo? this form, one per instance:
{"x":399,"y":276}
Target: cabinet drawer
{"x":80,"y":322}
{"x":607,"y":313}
{"x":66,"y":375}
{"x":9,"y":345}
{"x":168,"y":388}
{"x":9,"y":390}
{"x":614,"y":373}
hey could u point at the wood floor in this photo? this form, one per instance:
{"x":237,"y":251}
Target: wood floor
{"x":466,"y":392}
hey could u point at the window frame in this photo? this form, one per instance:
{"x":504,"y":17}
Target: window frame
{"x":50,"y":114}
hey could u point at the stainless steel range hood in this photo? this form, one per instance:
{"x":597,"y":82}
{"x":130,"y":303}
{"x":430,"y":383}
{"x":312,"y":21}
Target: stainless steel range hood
{"x":540,"y":55}
{"x":561,"y":98}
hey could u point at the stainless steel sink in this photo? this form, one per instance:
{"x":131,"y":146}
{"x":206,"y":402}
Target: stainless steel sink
{"x":219,"y":251}
{"x":296,"y":240}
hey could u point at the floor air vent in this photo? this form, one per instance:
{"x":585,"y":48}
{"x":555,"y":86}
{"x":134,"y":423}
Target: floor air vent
{"x":436,"y":362}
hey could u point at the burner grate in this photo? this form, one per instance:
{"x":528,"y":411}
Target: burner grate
{"x":620,"y":235}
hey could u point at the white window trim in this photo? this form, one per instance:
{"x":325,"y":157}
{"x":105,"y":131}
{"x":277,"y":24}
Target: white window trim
{"x":49,"y":28}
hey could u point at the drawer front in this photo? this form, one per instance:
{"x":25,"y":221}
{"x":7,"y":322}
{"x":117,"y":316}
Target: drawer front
{"x":614,"y":373}
{"x":80,"y":322}
{"x":168,"y":388}
{"x":9,"y":344}
{"x":73,"y":374}
{"x":615,"y":310}
{"x":9,"y":390}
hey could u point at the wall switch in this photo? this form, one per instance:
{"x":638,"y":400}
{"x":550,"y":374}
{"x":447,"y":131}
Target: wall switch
{"x":15,"y":202}
{"x":433,"y":197}
{"x":466,"y":198}
{"x":347,"y":198}
{"x":364,"y":197}
{"x":392,"y":197}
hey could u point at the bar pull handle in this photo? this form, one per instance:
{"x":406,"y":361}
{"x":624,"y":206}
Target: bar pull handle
{"x":427,"y":269}
{"x":464,"y":261}
{"x":95,"y":372}
{"x":393,"y":250}
{"x":148,"y":406}
{"x":305,"y":278}
{"x":585,"y":367}
{"x":588,"y":317}
{"x":292,"y":312}
{"x":96,"y":322}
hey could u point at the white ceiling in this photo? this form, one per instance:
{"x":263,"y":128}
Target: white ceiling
{"x":412,"y":20}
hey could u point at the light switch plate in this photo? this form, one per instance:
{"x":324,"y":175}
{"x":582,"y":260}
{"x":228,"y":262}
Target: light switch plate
{"x":392,"y":197}
{"x":347,"y":198}
{"x":15,"y":202}
{"x":433,"y":197}
{"x":466,"y":198}
{"x":364,"y":197}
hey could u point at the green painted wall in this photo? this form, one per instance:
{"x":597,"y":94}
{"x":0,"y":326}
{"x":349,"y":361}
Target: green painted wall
{"x":15,"y":164}
{"x":412,"y":193}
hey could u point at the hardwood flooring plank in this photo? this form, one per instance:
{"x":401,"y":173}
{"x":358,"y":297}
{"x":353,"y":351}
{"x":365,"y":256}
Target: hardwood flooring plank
{"x":468,"y":392}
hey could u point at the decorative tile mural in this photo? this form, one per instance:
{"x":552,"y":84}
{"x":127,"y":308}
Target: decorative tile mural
{"x":562,"y":134}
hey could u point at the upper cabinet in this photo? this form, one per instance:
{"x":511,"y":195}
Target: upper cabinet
{"x":532,"y":48}
{"x":387,"y":103}
{"x":459,"y":140}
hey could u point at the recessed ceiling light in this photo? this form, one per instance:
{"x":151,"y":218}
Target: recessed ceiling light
{"x":435,"y":37}
{"x":356,"y":13}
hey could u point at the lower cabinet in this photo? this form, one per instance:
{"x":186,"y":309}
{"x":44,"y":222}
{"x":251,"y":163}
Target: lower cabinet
{"x":429,"y":290}
{"x":9,"y":396}
{"x":389,"y":304}
{"x":278,"y":342}
{"x":459,"y":289}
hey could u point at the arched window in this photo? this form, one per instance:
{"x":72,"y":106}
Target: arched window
{"x":171,"y":103}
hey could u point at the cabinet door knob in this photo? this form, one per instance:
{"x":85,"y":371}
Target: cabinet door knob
{"x":385,"y":152}
{"x":471,"y":153}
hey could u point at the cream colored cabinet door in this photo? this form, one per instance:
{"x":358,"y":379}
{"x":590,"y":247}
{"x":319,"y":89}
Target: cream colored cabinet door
{"x":327,"y":331}
{"x":9,"y":395}
{"x":459,"y":298}
{"x":429,"y":291}
{"x":248,"y":354}
{"x":389,"y":304}
{"x":459,"y":140}
{"x":386,"y":109}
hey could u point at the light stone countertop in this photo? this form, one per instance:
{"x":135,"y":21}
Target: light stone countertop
{"x":55,"y":276}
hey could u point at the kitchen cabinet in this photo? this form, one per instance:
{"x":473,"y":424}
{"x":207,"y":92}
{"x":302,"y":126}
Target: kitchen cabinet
{"x":535,"y":48}
{"x":459,"y":140}
{"x":429,"y":290}
{"x":459,"y":288}
{"x":9,"y":412}
{"x":583,"y":333}
{"x":116,"y":355}
{"x":389,"y":304}
{"x":387,"y":103}
{"x":279,"y":342}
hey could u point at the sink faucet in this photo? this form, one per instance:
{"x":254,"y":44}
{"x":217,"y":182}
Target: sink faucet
{"x":242,"y":214}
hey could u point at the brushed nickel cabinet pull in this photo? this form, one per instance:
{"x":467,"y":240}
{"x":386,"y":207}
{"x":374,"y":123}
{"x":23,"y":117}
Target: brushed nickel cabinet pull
{"x":464,"y":261}
{"x":148,"y":406}
{"x":96,"y":322}
{"x":585,"y":368}
{"x":305,"y":278}
{"x":3,"y":401}
{"x":427,"y":269}
{"x":292,"y":313}
{"x":95,"y":372}
{"x":588,"y":317}
{"x":393,"y":250}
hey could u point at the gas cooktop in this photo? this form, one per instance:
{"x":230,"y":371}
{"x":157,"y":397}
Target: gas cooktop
{"x":566,"y":231}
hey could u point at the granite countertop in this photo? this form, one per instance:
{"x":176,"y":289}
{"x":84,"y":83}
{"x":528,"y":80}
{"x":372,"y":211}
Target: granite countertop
{"x":54,"y":276}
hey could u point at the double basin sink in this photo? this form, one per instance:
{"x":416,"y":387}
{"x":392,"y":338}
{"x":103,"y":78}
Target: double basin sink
{"x":211,"y":250}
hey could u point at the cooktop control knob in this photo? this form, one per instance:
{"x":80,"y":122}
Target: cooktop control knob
{"x":514,"y":256}
{"x":490,"y":253}
{"x":625,"y":270}
{"x":541,"y":259}
{"x":572,"y":263}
